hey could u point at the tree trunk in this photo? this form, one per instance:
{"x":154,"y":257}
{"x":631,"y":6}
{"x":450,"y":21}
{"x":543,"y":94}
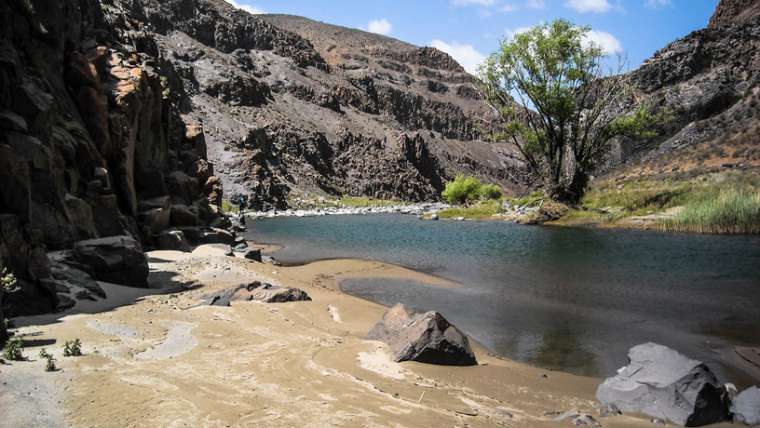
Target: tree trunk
{"x":569,"y":193}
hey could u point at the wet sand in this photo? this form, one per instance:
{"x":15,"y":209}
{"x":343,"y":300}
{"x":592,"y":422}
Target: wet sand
{"x":160,"y":360}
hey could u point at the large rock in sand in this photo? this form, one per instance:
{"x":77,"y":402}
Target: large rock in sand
{"x":256,"y":291}
{"x":746,"y":407}
{"x":116,"y":259}
{"x":664,"y":384}
{"x":426,"y":338}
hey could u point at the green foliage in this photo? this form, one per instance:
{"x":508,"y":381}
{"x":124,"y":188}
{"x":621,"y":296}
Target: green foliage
{"x":490,"y":192}
{"x":558,"y":120}
{"x":730,"y":211}
{"x":531,"y":200}
{"x":639,"y":197}
{"x":13,"y":350}
{"x":467,"y":189}
{"x":640,"y":124}
{"x":229,"y":207}
{"x":364,"y":202}
{"x":7,"y":280}
{"x":50,"y":364}
{"x":481,"y":210}
{"x":72,"y":348}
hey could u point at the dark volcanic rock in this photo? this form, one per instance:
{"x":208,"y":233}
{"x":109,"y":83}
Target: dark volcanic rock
{"x":426,"y":338}
{"x":733,"y":12}
{"x":174,"y":240}
{"x":91,"y":130}
{"x":256,"y":291}
{"x":664,"y":384}
{"x":116,"y":259}
{"x":708,"y":85}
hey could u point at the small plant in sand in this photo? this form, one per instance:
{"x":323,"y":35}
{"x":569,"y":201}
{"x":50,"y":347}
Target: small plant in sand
{"x":7,"y":280}
{"x":72,"y":348}
{"x":13,"y":350}
{"x":50,"y":364}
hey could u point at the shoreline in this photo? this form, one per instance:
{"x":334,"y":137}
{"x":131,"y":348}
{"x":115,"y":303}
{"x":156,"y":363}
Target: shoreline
{"x":281,"y":364}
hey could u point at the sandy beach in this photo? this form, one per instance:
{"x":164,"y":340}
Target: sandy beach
{"x":157,"y":359}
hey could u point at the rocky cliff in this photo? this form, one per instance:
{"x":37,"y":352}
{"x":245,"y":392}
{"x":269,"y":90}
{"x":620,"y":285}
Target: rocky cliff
{"x":296,"y":106}
{"x":708,"y":85}
{"x":93,"y":142}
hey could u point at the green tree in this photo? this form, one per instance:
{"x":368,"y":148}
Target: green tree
{"x":559,"y":119}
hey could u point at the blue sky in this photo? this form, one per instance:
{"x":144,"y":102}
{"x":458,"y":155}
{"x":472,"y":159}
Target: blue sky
{"x":471,"y":29}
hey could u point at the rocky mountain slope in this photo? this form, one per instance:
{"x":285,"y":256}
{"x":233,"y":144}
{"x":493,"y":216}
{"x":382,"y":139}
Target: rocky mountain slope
{"x":93,"y":144}
{"x":296,"y":106}
{"x":708,"y":84}
{"x":114,"y":113}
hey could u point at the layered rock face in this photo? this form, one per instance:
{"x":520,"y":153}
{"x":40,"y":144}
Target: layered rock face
{"x":294,"y":106}
{"x":708,"y":85}
{"x":92,"y":140}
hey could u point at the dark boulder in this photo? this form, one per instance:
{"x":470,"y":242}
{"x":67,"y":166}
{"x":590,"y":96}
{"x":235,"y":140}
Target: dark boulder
{"x":68,"y":275}
{"x":662,"y":383}
{"x":206,"y":235}
{"x":269,"y":293}
{"x":116,"y":259}
{"x":252,"y":254}
{"x":746,"y":407}
{"x":174,"y":240}
{"x":255,"y":291}
{"x":426,"y":338}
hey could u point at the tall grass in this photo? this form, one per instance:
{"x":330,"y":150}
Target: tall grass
{"x":480,"y":210}
{"x":731,"y":211}
{"x":365,"y":202}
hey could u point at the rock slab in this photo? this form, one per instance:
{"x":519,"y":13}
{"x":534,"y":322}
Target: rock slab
{"x":116,"y":259}
{"x":664,"y":384}
{"x":426,"y":338}
{"x":746,"y":407}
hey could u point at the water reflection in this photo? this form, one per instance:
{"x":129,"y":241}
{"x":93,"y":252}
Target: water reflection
{"x":570,"y":299}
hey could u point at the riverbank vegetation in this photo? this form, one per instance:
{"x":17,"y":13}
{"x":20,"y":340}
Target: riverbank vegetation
{"x":552,"y":91}
{"x":465,"y":190}
{"x":478,"y":211}
{"x":716,"y":203}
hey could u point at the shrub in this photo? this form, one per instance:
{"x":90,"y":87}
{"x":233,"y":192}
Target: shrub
{"x":13,"y":350}
{"x":7,"y":280}
{"x":229,"y":207}
{"x":50,"y":365}
{"x":490,"y":192}
{"x":72,"y":349}
{"x":466,"y":189}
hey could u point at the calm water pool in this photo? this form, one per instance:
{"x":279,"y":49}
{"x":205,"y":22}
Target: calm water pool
{"x":560,"y":298}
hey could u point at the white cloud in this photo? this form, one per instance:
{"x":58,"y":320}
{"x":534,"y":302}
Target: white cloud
{"x":473,"y":2}
{"x":509,"y":8}
{"x":253,"y":10}
{"x":657,"y":4}
{"x":536,"y":4}
{"x":512,"y":33}
{"x":607,"y":42}
{"x":380,"y":26}
{"x":464,"y":54}
{"x":583,"y":6}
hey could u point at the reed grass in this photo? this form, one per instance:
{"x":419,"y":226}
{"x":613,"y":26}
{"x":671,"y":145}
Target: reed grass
{"x":728,"y":211}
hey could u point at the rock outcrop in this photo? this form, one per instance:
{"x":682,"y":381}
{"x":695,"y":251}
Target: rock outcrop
{"x":256,"y":291}
{"x":733,"y":12}
{"x":301,"y":107}
{"x":93,"y":140}
{"x":664,"y":384}
{"x":707,"y":85}
{"x":426,"y":338}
